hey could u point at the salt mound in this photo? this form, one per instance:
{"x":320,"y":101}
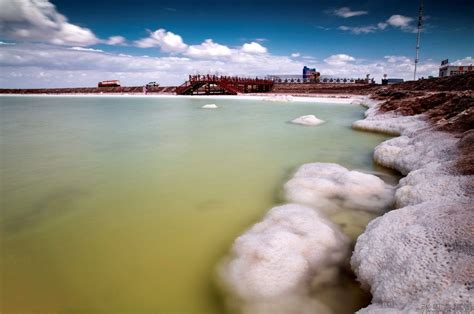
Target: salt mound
{"x":209,"y":106}
{"x":418,"y":256}
{"x":435,"y":182}
{"x":307,"y":120}
{"x":279,"y":259}
{"x":410,"y":153}
{"x":331,"y":188}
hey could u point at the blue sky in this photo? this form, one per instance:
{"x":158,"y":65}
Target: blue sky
{"x":119,"y":38}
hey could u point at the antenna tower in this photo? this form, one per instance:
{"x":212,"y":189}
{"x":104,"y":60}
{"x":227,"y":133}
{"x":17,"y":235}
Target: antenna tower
{"x":420,"y":24}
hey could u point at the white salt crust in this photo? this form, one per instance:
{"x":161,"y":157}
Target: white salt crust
{"x":210,"y":106}
{"x":418,"y":257}
{"x":283,"y":98}
{"x":274,"y":265}
{"x":331,"y":188}
{"x":308,"y":120}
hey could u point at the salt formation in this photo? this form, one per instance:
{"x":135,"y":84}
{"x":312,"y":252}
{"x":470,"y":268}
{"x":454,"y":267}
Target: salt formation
{"x":307,"y":120}
{"x":419,"y":256}
{"x":209,"y":106}
{"x":283,"y":98}
{"x":434,"y":182}
{"x":407,"y":153}
{"x":331,"y":188}
{"x":275,"y":264}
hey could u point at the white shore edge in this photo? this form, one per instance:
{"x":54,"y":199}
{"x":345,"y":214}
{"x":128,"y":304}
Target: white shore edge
{"x":336,"y":98}
{"x":418,"y":257}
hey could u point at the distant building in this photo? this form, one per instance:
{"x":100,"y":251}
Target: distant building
{"x":449,"y":70}
{"x":307,"y":72}
{"x":310,"y":75}
{"x":390,"y":81}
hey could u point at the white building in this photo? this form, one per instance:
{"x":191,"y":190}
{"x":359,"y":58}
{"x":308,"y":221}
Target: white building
{"x":449,"y":70}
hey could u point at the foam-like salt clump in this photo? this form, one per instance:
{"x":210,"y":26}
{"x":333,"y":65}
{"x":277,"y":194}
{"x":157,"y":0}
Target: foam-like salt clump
{"x":389,"y":122}
{"x":410,"y":153}
{"x":210,"y":106}
{"x":278,"y":260}
{"x":435,"y":182}
{"x":331,"y":188}
{"x":308,"y":120}
{"x":418,"y":257}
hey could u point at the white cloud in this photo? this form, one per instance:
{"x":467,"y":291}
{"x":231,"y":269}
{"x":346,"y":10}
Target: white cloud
{"x":399,"y":20}
{"x":339,"y":59}
{"x":382,"y":25}
{"x":21,"y":64}
{"x":359,"y":30}
{"x":295,"y":54}
{"x":86,"y":49}
{"x":167,"y":41}
{"x":39,"y":21}
{"x":116,"y":40}
{"x":397,"y":59}
{"x":402,"y":22}
{"x":35,"y":65}
{"x":466,"y":61}
{"x":208,"y":49}
{"x":346,"y":12}
{"x":253,"y":47}
{"x":364,"y":29}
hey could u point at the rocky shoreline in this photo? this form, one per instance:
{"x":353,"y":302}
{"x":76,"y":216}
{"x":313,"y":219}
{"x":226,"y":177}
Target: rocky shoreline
{"x":419,"y":257}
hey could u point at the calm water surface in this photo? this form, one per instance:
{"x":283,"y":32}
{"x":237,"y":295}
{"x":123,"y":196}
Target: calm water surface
{"x":126,"y":204}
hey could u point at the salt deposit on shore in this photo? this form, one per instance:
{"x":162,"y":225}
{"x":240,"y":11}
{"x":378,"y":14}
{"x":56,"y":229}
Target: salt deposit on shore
{"x":331,"y":188}
{"x":418,"y":257}
{"x":276,"y":265}
{"x":308,"y":120}
{"x":210,"y":106}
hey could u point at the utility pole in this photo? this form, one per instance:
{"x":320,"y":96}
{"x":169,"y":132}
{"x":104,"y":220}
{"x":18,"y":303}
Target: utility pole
{"x":420,"y":24}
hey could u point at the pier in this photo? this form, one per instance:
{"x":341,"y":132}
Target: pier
{"x":223,"y":85}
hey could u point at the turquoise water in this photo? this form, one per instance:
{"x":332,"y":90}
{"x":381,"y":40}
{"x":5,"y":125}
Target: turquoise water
{"x":126,"y":204}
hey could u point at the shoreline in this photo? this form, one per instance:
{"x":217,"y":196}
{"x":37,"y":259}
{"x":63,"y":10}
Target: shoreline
{"x":331,"y":98}
{"x":415,"y":257}
{"x":418,"y":257}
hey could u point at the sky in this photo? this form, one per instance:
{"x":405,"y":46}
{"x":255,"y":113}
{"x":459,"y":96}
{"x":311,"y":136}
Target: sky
{"x":72,"y":43}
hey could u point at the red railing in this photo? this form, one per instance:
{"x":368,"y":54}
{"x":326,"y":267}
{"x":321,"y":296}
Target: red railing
{"x":231,"y":84}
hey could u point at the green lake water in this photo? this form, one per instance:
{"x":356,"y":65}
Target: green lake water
{"x":126,"y":204}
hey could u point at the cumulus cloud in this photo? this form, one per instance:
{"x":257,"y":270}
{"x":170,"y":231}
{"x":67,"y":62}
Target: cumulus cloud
{"x":21,"y":64}
{"x":397,"y":21}
{"x":167,"y":41}
{"x":397,"y":59}
{"x":253,"y":47}
{"x":208,"y":49}
{"x":339,"y":59}
{"x":346,"y":12}
{"x":466,"y":61}
{"x":39,"y":21}
{"x":402,"y":22}
{"x":62,"y":67}
{"x":116,"y":40}
{"x":295,"y":54}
